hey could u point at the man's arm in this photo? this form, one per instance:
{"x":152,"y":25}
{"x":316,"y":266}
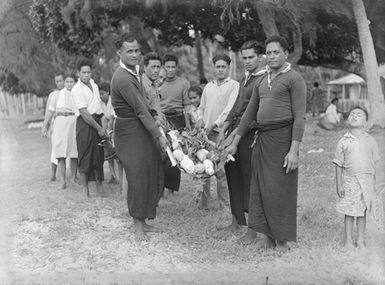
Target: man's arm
{"x":230,"y":103}
{"x":87,"y":117}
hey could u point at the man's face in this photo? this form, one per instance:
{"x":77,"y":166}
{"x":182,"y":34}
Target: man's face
{"x":59,"y":81}
{"x":104,"y":95}
{"x":129,"y":53}
{"x":221,"y":69}
{"x":276,"y":56}
{"x":152,"y":69}
{"x":170,"y":67}
{"x":69,"y":83}
{"x":250,"y":59}
{"x":84,"y":74}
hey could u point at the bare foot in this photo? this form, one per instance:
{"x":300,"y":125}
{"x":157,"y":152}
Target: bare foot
{"x":148,"y":228}
{"x":99,"y":189}
{"x":266,"y":243}
{"x":87,"y":192}
{"x":63,"y":186}
{"x":141,"y":236}
{"x":249,"y":238}
{"x":52,"y":179}
{"x":349,"y":243}
{"x":282,"y":246}
{"x":361,"y":244}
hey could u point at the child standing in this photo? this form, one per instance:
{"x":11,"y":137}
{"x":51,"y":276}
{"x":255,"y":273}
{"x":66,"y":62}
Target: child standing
{"x":194,"y":94}
{"x":356,"y":160}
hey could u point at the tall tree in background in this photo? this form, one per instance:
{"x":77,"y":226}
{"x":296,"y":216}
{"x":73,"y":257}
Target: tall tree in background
{"x":376,"y":98}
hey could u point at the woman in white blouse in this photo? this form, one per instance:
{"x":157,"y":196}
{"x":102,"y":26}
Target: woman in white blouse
{"x":62,"y":107}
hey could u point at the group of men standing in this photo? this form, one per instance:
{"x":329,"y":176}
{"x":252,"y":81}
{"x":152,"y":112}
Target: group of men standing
{"x":259,"y":120}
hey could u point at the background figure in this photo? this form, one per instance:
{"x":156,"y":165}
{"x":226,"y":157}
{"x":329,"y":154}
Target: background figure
{"x":64,"y":146}
{"x":109,"y":148}
{"x":89,"y":128}
{"x":137,"y":138}
{"x":59,"y":82}
{"x":218,"y":98}
{"x":152,"y":83}
{"x":357,"y":169}
{"x":173,"y":94}
{"x":332,"y":119}
{"x":194,"y":95}
{"x":316,"y":99}
{"x":238,"y":172}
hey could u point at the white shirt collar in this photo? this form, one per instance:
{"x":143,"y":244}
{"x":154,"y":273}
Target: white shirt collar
{"x":122,"y":65}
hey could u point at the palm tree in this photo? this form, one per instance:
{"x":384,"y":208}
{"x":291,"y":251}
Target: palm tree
{"x":375,"y":95}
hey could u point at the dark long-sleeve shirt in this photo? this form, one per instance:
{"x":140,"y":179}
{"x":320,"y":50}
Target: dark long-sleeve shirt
{"x":286,"y":99}
{"x":244,"y":95}
{"x":128,"y":100}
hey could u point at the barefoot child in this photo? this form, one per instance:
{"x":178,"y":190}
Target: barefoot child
{"x":356,"y":160}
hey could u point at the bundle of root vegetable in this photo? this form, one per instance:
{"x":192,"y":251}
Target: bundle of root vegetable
{"x":195,"y":154}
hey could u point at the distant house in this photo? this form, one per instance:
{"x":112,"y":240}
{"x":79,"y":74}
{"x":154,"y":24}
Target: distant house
{"x":350,"y":90}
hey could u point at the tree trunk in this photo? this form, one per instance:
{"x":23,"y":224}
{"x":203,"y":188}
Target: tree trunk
{"x":198,"y":46}
{"x":266,"y":15}
{"x":376,"y":98}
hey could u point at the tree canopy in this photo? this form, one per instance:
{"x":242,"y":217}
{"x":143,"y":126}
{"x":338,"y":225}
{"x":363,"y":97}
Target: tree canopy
{"x":320,"y":33}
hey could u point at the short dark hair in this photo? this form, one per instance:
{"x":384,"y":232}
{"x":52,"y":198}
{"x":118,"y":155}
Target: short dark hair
{"x":105,"y":86}
{"x":59,"y":74}
{"x":126,"y":37}
{"x":316,"y":84}
{"x":72,"y":75}
{"x":196,"y":89}
{"x":334,"y":100}
{"x":84,"y":62}
{"x":362,"y":109}
{"x":253,"y":45}
{"x":203,"y":81}
{"x":151,"y":56}
{"x":170,"y":57}
{"x":224,"y":57}
{"x":278,"y":39}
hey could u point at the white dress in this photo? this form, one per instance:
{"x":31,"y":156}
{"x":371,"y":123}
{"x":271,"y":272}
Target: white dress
{"x":64,"y":126}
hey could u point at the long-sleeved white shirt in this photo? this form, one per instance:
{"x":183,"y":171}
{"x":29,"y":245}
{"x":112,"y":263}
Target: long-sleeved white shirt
{"x":217,"y":101}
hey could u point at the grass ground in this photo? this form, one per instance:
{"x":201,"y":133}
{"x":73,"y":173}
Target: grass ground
{"x":53,"y":236}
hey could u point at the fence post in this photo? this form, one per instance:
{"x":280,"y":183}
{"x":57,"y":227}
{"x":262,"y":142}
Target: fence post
{"x":23,"y":103}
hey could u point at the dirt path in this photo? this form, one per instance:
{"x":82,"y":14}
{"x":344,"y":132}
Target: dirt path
{"x":51,"y":236}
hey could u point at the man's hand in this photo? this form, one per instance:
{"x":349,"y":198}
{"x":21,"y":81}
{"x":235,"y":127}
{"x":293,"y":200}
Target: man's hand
{"x":229,"y":140}
{"x":291,"y":161}
{"x":340,"y":191}
{"x":102,"y":132}
{"x":163,"y":143}
{"x":231,"y":149}
{"x":44,"y":132}
{"x":200,"y":124}
{"x":210,"y":129}
{"x":220,"y":138}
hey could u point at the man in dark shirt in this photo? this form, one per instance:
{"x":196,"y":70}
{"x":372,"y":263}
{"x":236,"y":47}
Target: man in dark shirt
{"x":137,"y":138}
{"x":238,"y":171}
{"x":278,"y":104}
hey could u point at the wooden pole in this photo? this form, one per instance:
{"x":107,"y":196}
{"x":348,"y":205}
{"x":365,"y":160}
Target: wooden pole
{"x":22,"y":97}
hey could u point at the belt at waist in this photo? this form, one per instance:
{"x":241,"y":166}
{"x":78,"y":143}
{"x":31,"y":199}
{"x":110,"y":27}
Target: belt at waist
{"x":65,"y":114}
